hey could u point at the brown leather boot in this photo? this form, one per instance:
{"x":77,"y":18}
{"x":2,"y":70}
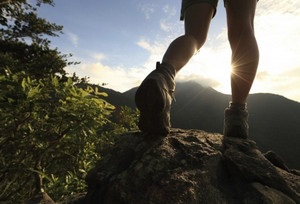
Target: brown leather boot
{"x":236,"y":122}
{"x":154,"y":97}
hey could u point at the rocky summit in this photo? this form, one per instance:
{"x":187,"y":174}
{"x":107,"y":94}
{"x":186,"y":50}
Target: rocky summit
{"x":190,"y":166}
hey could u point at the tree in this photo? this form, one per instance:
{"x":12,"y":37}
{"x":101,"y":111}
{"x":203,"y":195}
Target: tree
{"x":51,"y":131}
{"x":44,"y":118}
{"x":19,"y":22}
{"x":24,"y":41}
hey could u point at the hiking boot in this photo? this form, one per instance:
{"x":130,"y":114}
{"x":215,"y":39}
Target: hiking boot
{"x":154,"y":97}
{"x":236,"y":122}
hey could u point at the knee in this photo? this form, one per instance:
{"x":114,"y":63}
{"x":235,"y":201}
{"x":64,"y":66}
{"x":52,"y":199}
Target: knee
{"x":197,"y":40}
{"x":238,"y":32}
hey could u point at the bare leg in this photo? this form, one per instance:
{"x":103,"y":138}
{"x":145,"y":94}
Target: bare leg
{"x":197,"y":21}
{"x":245,"y":54}
{"x":154,"y":96}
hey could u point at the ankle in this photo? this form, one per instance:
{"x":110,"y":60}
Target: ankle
{"x":238,"y":106}
{"x":166,"y":68}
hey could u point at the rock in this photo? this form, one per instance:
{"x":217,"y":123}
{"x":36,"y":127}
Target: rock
{"x":276,"y":160}
{"x":188,"y":166}
{"x":41,"y":198}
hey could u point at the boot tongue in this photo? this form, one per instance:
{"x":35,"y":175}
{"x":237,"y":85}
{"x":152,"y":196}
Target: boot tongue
{"x":166,"y":68}
{"x":169,"y":72}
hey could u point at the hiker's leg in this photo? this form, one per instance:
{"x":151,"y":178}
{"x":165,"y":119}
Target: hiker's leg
{"x":154,"y":96}
{"x":245,"y":55}
{"x":197,"y":19}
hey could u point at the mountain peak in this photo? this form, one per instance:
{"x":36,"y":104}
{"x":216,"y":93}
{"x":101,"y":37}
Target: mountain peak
{"x":273,"y":120}
{"x":189,"y":166}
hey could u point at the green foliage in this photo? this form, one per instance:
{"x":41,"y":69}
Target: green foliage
{"x":24,"y":40}
{"x":35,"y":60}
{"x":50,"y":135}
{"x":51,"y":131}
{"x":19,"y":22}
{"x":124,"y":119}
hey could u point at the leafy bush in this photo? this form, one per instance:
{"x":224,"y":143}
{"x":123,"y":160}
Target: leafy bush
{"x":51,"y":133}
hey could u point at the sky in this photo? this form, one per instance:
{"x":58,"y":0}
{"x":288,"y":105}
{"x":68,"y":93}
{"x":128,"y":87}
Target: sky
{"x":118,"y":43}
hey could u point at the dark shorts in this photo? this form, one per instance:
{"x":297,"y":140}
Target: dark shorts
{"x":187,"y":3}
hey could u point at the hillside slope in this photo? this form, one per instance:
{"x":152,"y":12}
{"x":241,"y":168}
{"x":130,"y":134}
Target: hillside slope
{"x":274,"y":120}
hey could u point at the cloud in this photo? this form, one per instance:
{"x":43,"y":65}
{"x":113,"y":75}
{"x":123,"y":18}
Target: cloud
{"x":283,"y":7}
{"x":285,"y":84}
{"x":99,"y":56}
{"x":169,"y":10}
{"x":204,"y":81}
{"x":147,"y":9}
{"x":209,"y":67}
{"x":73,"y":38}
{"x":165,"y":25}
{"x":278,"y":41}
{"x":277,"y":29}
{"x":117,"y":78}
{"x":155,"y":48}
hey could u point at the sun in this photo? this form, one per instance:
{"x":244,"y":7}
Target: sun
{"x":212,"y":68}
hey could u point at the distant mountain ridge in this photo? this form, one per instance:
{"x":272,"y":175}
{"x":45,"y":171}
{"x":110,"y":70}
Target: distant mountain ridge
{"x":274,"y":120}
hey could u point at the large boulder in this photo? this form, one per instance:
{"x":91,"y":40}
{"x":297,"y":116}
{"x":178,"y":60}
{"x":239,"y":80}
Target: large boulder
{"x":190,"y":166}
